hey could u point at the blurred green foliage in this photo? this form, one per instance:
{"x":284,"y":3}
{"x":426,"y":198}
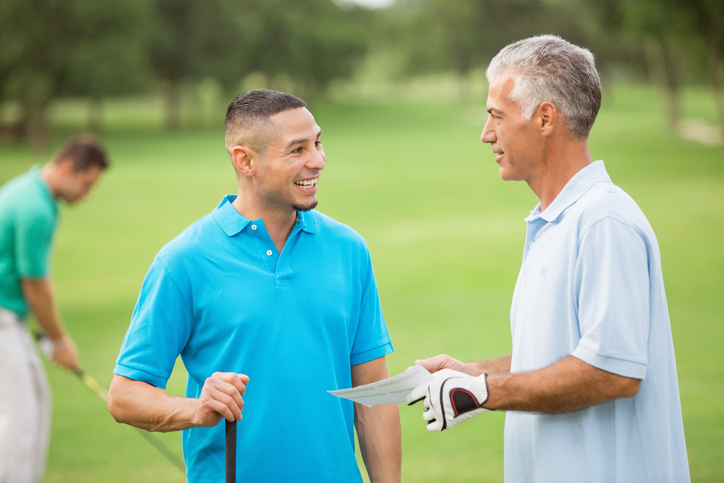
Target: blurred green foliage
{"x":54,"y":50}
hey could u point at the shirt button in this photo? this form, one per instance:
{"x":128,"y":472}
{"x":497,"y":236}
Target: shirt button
{"x":531,"y":244}
{"x":269,"y":252}
{"x":253,"y":227}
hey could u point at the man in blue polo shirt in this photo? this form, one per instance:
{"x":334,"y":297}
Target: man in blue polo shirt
{"x":266,"y":291}
{"x":28,"y":216}
{"x":590,"y":388}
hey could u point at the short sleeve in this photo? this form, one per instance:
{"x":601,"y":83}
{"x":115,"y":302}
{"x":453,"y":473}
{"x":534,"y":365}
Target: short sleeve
{"x":33,"y":240}
{"x":612,"y":277}
{"x":372,"y":340}
{"x":159,"y":330}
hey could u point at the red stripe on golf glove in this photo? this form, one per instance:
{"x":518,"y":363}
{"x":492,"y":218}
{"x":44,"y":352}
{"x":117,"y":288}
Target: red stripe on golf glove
{"x":450,"y":398}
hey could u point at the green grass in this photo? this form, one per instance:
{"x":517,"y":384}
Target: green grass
{"x":446,"y":237}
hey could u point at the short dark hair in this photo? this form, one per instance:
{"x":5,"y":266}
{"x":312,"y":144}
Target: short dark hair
{"x":252,"y":109}
{"x":84,"y":152}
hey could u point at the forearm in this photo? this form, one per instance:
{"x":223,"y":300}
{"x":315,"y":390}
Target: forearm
{"x":497,"y":366}
{"x":148,"y":407}
{"x":380,"y":440}
{"x":39,"y":296}
{"x":378,"y":427}
{"x":568,"y":385}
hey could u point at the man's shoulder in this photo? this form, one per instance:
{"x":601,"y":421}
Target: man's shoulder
{"x":197,"y":238}
{"x":23,"y":197}
{"x":606,"y":200}
{"x":338,"y":231}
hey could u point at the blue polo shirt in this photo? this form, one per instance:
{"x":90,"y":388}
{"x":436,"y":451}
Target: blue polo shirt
{"x":591,"y":286}
{"x":28,"y":216}
{"x":222,"y":296}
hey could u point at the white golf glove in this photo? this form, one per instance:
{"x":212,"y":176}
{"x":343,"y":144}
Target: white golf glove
{"x":450,"y":398}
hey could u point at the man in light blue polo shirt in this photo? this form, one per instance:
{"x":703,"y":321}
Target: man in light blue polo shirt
{"x":266,"y":291}
{"x":28,"y":217}
{"x":590,"y":388}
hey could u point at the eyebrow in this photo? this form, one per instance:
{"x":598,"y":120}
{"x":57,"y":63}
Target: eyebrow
{"x":302,"y":141}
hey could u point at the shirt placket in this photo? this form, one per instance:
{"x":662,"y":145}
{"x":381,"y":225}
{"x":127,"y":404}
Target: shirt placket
{"x":264,"y":244}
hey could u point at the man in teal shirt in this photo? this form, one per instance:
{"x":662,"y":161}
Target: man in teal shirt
{"x":28,"y":216}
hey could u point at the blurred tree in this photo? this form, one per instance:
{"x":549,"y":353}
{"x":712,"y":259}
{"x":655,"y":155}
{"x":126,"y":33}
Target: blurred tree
{"x":52,"y":48}
{"x":194,"y":39}
{"x":108,"y":56}
{"x":708,"y":17}
{"x":664,"y":30}
{"x":459,"y":36}
{"x":311,"y":42}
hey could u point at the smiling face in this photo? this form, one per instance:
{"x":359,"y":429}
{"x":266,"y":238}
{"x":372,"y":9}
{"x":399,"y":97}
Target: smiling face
{"x":516,"y":141}
{"x":286,"y":174}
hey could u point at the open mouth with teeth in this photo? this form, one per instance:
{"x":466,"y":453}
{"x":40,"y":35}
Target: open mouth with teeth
{"x":307,"y":184}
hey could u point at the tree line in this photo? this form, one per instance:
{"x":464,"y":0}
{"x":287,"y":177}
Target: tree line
{"x":673,"y":42}
{"x":52,"y":49}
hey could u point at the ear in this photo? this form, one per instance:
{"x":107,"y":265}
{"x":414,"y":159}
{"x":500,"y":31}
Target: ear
{"x":243,"y":158}
{"x":547,"y":117}
{"x":65,"y":167}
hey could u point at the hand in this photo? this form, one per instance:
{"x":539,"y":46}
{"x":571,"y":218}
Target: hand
{"x":65,"y":354}
{"x":59,"y":351}
{"x":221,"y":397}
{"x":444,"y":361}
{"x":450,"y":398}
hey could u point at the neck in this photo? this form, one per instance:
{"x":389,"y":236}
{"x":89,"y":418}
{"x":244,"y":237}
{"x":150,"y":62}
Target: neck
{"x":278,"y":222}
{"x":561,"y":163}
{"x":49,"y":174}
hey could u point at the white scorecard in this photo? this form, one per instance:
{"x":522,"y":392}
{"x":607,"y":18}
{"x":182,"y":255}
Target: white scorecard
{"x":392,"y":390}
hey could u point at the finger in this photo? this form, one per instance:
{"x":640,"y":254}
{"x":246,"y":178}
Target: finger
{"x":429,"y":416}
{"x":435,"y":426}
{"x":416,"y":395}
{"x":434,"y":364}
{"x":216,"y":389}
{"x":219,"y":407}
{"x":239,"y":381}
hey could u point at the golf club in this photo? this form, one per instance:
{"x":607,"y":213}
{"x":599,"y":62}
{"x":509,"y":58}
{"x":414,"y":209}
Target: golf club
{"x":230,"y":451}
{"x":102,"y":393}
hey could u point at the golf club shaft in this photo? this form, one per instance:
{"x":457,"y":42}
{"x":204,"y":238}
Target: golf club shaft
{"x":103,"y":394}
{"x":230,"y":451}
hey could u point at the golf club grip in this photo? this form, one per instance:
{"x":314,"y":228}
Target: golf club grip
{"x":230,"y":451}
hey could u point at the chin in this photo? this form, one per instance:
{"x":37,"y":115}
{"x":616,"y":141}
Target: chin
{"x":305,"y":207}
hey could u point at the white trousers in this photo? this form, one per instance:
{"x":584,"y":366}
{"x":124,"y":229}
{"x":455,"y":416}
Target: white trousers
{"x":25,"y":405}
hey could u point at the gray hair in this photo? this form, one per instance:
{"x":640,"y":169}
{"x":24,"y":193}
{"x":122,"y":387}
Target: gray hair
{"x":547,"y":68}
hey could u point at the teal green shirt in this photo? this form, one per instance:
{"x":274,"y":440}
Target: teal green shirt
{"x":28,"y":215}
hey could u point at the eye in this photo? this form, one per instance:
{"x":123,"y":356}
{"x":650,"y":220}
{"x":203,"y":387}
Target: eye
{"x":318,"y":143}
{"x":297,"y":151}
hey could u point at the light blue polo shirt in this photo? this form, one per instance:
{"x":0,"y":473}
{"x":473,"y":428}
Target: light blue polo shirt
{"x":223,"y":297}
{"x":591,"y":285}
{"x":28,"y":216}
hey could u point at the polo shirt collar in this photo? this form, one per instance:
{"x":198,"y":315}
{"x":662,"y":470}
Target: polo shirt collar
{"x":576,"y":187}
{"x":233,"y":222}
{"x":307,"y":221}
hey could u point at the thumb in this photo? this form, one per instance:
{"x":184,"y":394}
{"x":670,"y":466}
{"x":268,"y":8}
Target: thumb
{"x":433,"y":364}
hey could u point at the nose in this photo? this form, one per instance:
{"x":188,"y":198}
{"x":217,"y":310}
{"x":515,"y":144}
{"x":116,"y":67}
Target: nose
{"x":317,"y":160}
{"x":488,"y":134}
